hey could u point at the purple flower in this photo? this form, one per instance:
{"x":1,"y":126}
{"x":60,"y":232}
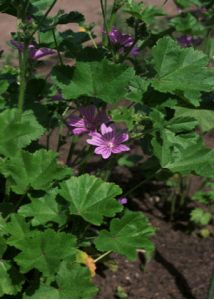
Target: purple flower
{"x":123,"y":200}
{"x":123,"y":42}
{"x":188,"y":41}
{"x":90,"y":121}
{"x":57,"y":96}
{"x":34,"y":53}
{"x":108,"y":141}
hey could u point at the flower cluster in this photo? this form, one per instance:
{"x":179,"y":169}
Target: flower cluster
{"x":123,"y":42}
{"x":188,"y":41}
{"x":106,"y":138}
{"x":34,"y":53}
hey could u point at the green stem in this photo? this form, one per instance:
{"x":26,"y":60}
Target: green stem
{"x":140,"y":183}
{"x":211,"y":288}
{"x":92,"y":39}
{"x":44,"y":17}
{"x":57,"y":47}
{"x":102,"y":256}
{"x":23,"y":81}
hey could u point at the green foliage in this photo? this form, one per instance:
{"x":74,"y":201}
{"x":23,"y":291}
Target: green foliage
{"x":36,"y":170}
{"x":55,"y":221}
{"x":8,"y":285}
{"x":188,"y":24}
{"x":103,"y":80}
{"x":17,"y":131}
{"x":127,"y":234}
{"x":143,"y":13}
{"x":187,"y":3}
{"x":44,"y":251}
{"x":69,"y":280}
{"x":200,"y":217}
{"x":175,"y":66}
{"x":44,"y":209}
{"x":91,"y":198}
{"x":204,"y":117}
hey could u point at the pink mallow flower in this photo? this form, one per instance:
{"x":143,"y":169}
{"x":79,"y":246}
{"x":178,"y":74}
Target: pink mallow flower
{"x":34,"y":53}
{"x":123,"y":42}
{"x":123,"y":200}
{"x":108,"y":141}
{"x":90,"y":120}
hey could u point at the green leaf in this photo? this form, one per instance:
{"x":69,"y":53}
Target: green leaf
{"x":91,"y":198}
{"x":71,"y":17}
{"x":204,"y":117}
{"x":143,"y":13}
{"x":137,"y":88}
{"x":187,"y":3}
{"x":3,"y":246}
{"x":38,"y":171}
{"x":44,"y":209}
{"x":103,"y":80}
{"x":44,"y":292}
{"x":17,"y":131}
{"x":17,"y":228}
{"x":183,"y":154}
{"x":71,"y":278}
{"x":73,"y":282}
{"x":187,"y":24}
{"x":126,"y":235}
{"x":175,"y":67}
{"x":200,"y":217}
{"x":8,"y":286}
{"x":3,"y":86}
{"x":44,"y":251}
{"x":41,"y":6}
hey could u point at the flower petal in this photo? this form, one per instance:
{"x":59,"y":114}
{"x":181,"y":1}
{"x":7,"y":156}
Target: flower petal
{"x":104,"y":151}
{"x":76,"y":121}
{"x":88,"y":112}
{"x":106,"y":129}
{"x":121,"y":138}
{"x":39,"y":53}
{"x":96,"y":140}
{"x":120,"y":148}
{"x":78,"y":131}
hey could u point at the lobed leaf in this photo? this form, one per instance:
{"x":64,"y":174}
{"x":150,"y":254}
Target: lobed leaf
{"x":91,"y":198}
{"x":126,"y":235}
{"x":103,"y":80}
{"x":17,"y":131}
{"x":44,"y":209}
{"x":44,"y":251}
{"x":175,"y":67}
{"x":38,"y":171}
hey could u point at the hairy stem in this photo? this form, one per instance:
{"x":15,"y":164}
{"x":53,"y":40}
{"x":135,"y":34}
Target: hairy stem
{"x":57,"y":47}
{"x":102,"y":256}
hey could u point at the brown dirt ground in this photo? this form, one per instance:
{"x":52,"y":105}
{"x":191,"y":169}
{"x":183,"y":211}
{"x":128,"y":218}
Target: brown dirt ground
{"x":181,"y":268}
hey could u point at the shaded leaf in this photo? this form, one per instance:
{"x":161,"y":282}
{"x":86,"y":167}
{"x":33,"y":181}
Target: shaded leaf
{"x":17,"y":131}
{"x":38,"y":171}
{"x":44,"y":209}
{"x":44,"y":251}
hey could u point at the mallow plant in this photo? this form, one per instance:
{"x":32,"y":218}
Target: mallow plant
{"x":130,"y":88}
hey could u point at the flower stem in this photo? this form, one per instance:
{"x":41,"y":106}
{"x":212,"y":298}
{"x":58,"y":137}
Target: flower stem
{"x":211,"y":288}
{"x":140,"y":183}
{"x":102,"y":256}
{"x":57,"y":47}
{"x":23,"y":82}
